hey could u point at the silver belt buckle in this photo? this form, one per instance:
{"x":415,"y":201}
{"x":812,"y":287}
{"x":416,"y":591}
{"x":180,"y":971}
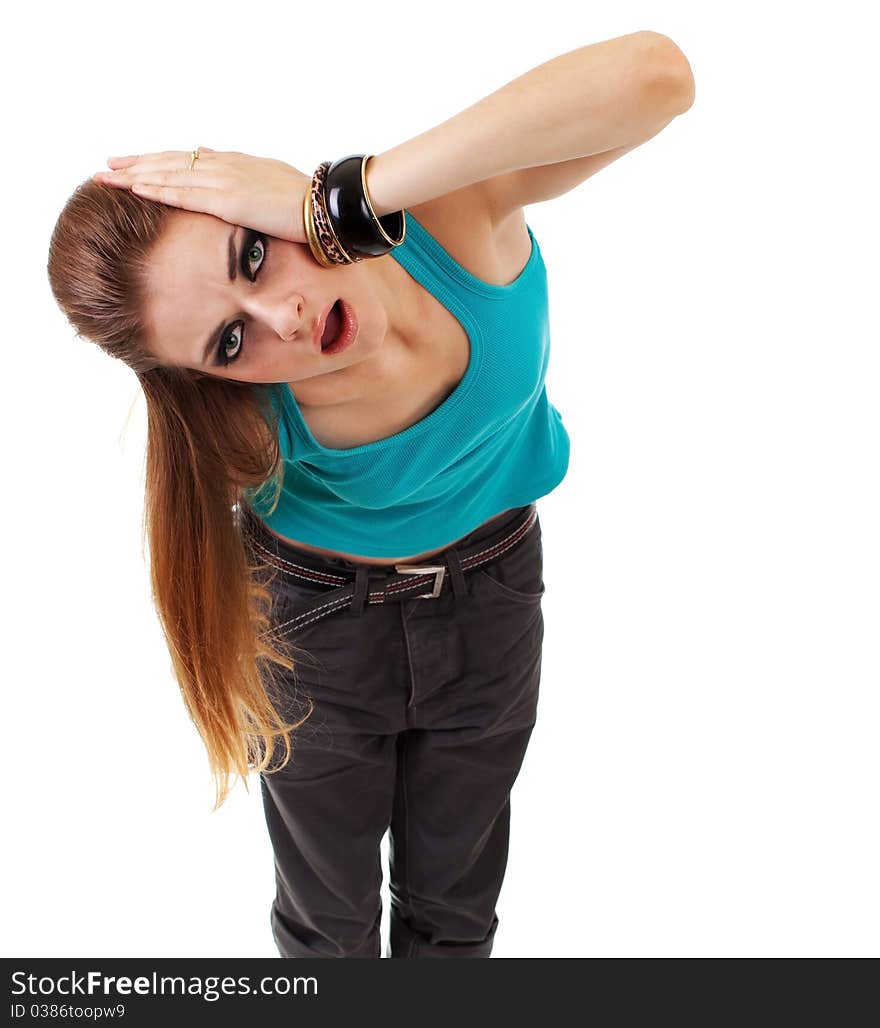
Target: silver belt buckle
{"x":438,"y":581}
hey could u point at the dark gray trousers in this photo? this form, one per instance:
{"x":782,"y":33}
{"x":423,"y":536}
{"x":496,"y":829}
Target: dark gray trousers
{"x":423,"y":709}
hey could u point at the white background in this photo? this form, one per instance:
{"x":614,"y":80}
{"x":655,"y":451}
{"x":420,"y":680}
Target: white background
{"x":702,"y":780}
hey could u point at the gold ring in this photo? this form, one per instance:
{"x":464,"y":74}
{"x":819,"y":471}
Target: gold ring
{"x":193,"y":158}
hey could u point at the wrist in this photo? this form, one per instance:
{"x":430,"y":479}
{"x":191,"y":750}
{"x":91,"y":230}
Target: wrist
{"x":419,"y":170}
{"x":383,"y":187}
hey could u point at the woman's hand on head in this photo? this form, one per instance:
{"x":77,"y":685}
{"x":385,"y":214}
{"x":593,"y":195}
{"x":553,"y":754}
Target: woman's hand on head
{"x":258,"y":192}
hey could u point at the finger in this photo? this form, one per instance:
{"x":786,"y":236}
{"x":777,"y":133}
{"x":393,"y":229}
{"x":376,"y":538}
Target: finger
{"x":127,"y":162}
{"x":177,"y":177}
{"x":125,"y":176}
{"x":121,"y":177}
{"x":171,"y":158}
{"x":186,"y":198}
{"x":151,"y":168}
{"x":149,"y":184}
{"x":109,"y":178}
{"x":152,"y":165}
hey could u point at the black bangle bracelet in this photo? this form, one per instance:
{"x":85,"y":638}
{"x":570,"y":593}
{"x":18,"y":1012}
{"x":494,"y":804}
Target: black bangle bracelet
{"x":354,"y":222}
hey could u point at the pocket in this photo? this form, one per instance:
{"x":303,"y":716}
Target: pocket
{"x":519,"y":574}
{"x":291,"y":596}
{"x":293,"y":600}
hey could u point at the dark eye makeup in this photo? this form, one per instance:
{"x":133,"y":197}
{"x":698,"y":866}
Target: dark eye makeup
{"x":229,"y":336}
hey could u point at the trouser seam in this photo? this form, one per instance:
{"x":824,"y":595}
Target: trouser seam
{"x":411,"y":699}
{"x":404,"y":884}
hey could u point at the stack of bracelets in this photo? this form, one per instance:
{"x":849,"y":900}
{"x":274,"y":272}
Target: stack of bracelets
{"x":340,"y":224}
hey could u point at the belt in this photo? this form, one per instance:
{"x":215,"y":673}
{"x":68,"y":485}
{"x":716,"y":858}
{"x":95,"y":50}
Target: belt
{"x":372,"y":584}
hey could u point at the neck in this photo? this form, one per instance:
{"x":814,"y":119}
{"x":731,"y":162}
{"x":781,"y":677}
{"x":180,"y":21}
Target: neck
{"x":375,"y":379}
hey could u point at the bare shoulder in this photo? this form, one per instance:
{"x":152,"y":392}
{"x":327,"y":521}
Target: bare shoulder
{"x":492,"y":249}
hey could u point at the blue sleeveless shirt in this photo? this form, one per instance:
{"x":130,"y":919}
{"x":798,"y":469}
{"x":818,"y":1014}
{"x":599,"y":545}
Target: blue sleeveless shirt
{"x":495,"y":442}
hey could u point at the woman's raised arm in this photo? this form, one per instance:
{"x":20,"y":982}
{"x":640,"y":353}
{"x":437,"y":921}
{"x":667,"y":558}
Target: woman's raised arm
{"x":610,"y":94}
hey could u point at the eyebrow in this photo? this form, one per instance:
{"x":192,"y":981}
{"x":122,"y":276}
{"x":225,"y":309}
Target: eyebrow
{"x":231,"y":271}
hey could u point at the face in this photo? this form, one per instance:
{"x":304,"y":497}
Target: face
{"x":225,"y":301}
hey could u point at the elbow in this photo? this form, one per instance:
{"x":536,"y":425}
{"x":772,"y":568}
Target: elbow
{"x":668,"y":73}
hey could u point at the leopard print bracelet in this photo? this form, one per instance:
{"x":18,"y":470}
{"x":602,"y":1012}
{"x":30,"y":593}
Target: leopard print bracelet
{"x":325,"y":247}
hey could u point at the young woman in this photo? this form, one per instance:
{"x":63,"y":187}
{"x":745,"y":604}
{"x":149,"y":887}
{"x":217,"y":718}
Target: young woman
{"x":347,"y":433}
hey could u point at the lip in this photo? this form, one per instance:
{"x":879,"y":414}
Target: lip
{"x":319,"y":328}
{"x":349,"y":331}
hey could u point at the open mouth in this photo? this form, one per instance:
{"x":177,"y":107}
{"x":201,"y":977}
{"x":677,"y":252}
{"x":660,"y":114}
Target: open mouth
{"x":333,"y":326}
{"x":340,"y":329}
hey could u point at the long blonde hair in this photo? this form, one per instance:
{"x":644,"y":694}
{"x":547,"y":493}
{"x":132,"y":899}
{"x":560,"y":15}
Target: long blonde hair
{"x":210,"y":444}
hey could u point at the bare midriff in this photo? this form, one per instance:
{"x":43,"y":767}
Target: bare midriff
{"x":355,"y":558}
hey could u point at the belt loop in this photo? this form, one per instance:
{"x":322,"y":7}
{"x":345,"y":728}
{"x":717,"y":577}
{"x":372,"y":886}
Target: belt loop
{"x":361,"y":588}
{"x":459,"y":585}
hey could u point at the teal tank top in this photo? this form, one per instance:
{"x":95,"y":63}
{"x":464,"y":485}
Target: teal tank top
{"x":494,"y":443}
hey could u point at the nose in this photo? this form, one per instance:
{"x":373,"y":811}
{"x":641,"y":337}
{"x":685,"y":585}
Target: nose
{"x":286,"y":317}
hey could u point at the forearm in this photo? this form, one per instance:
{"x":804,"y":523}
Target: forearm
{"x":605,"y":95}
